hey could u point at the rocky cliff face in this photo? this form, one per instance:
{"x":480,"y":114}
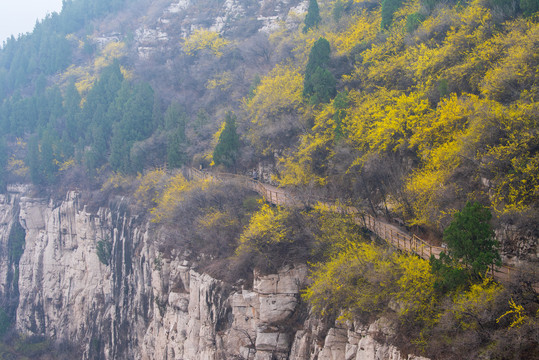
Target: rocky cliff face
{"x":168,"y":21}
{"x":145,"y":306}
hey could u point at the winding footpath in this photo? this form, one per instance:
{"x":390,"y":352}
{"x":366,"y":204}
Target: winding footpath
{"x":391,"y":234}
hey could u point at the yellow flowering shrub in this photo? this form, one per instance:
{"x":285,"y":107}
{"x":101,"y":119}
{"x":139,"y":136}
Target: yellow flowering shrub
{"x":517,"y":313}
{"x":171,"y":196}
{"x":117,"y":181}
{"x":149,"y":188}
{"x":360,"y":278}
{"x":307,"y":164}
{"x":363,"y":28}
{"x":469,"y":306}
{"x":275,"y":108}
{"x":266,"y":227}
{"x":222,"y":81}
{"x":202,"y":39}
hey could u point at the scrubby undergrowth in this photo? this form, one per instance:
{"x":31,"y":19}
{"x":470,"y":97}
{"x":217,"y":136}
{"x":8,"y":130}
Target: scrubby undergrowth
{"x":354,"y":275}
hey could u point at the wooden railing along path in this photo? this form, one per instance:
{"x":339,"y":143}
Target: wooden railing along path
{"x":392,"y":234}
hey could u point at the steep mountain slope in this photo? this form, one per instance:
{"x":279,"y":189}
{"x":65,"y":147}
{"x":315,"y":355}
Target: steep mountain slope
{"x":411,"y":110}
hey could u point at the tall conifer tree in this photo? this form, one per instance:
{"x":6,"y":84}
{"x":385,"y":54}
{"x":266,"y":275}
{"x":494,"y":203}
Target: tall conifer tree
{"x":319,"y":83}
{"x":312,"y":19}
{"x":226,"y":150}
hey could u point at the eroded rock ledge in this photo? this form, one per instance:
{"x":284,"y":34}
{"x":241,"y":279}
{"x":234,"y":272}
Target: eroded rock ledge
{"x":143,"y":305}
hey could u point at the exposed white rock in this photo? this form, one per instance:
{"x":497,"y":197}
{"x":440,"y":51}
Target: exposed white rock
{"x":292,"y":19}
{"x":232,"y":9}
{"x":287,"y":281}
{"x":335,"y":344}
{"x":145,"y":306}
{"x":18,"y":188}
{"x":147,"y":35}
{"x":270,"y":23}
{"x":271,"y":341}
{"x":102,"y":41}
{"x":61,"y":280}
{"x":276,"y":308}
{"x":175,"y":8}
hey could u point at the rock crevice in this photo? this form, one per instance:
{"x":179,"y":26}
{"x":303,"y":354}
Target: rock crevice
{"x":148,"y":305}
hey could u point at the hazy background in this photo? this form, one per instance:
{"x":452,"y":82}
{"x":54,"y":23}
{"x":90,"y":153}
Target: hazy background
{"x":19,"y":16}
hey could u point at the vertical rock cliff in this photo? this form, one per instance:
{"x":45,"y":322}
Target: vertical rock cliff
{"x":135,"y":303}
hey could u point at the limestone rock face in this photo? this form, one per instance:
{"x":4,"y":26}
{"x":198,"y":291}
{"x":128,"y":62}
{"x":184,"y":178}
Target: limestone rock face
{"x":138,"y":303}
{"x":170,"y":21}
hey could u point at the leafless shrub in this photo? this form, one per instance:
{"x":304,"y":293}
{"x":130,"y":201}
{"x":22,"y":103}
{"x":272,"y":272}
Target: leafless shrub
{"x":208,"y":221}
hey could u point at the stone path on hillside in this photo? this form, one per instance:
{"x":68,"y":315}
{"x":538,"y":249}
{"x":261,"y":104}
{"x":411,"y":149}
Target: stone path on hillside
{"x":390,"y":233}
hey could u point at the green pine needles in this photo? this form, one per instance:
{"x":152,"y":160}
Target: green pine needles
{"x":312,"y":19}
{"x":388,"y":9}
{"x":472,"y":249}
{"x":319,"y":85}
{"x":226,"y":150}
{"x":471,"y":240}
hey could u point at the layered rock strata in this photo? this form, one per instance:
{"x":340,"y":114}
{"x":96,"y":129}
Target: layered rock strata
{"x":136,"y":303}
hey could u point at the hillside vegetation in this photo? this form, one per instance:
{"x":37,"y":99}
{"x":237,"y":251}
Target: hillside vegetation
{"x":421,"y":110}
{"x":413,"y":107}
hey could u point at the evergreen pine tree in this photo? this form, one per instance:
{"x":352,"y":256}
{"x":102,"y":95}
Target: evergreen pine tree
{"x":134,"y":104}
{"x":33,"y":160}
{"x":388,"y":9}
{"x":319,"y":85}
{"x":529,"y":7}
{"x":72,"y":109}
{"x":470,"y":238}
{"x":175,"y":120}
{"x":48,"y":161}
{"x":174,"y":116}
{"x":176,"y":147}
{"x":323,"y":86}
{"x":312,"y":19}
{"x":226,"y":150}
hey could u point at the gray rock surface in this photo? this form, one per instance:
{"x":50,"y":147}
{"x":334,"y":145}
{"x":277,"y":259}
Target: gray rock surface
{"x":145,"y":304}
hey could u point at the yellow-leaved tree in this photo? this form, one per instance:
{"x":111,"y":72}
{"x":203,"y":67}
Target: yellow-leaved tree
{"x":150,"y":187}
{"x":171,"y":195}
{"x":275,"y":109}
{"x":307,"y":164}
{"x":203,"y":39}
{"x":266,"y":228}
{"x":385,"y":120}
